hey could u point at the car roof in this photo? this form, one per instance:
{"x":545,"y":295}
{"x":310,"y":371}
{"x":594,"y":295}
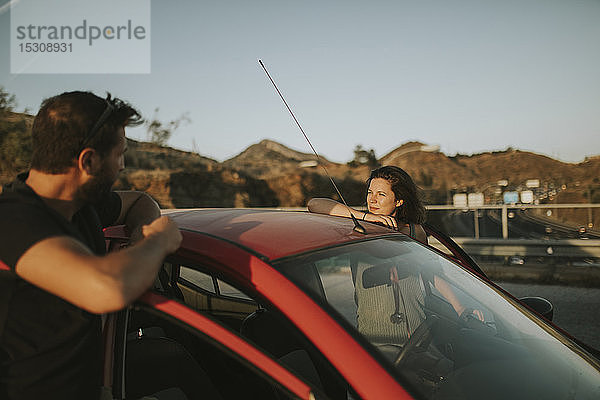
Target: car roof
{"x":274,"y":233}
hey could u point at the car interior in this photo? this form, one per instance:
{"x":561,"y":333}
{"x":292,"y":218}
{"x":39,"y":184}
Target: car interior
{"x":166,"y":360}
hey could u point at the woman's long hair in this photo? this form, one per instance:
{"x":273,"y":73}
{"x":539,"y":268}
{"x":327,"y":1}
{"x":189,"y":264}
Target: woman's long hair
{"x":412,"y":209}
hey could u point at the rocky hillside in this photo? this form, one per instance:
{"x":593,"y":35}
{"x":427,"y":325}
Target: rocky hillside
{"x":296,"y":177}
{"x":481,"y":172}
{"x":268,"y":158}
{"x":270,"y":174}
{"x":15,"y":143}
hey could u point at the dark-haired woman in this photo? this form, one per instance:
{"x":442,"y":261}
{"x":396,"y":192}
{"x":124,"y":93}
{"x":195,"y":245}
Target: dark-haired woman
{"x":394,"y":200}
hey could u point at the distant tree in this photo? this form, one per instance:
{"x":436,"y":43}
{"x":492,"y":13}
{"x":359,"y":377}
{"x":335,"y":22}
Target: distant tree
{"x":15,"y":138}
{"x":195,"y":147}
{"x":364,"y":157}
{"x":159,"y":132}
{"x":7,"y":101}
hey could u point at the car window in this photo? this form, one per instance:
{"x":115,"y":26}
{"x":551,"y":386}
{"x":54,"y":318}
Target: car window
{"x":164,"y":360}
{"x":208,"y":283}
{"x":441,"y":328}
{"x":203,"y":292}
{"x":226,"y":289}
{"x":433,"y":242}
{"x":197,"y":278}
{"x":263,"y":326}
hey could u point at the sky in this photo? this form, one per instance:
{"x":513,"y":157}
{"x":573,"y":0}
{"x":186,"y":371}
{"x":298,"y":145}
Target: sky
{"x":468,"y":75}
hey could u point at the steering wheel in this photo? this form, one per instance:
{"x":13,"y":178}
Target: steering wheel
{"x":420,"y":336}
{"x":471,"y":320}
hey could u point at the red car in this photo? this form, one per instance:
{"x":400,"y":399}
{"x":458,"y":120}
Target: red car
{"x":283,"y":305}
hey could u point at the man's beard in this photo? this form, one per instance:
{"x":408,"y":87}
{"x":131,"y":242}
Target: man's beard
{"x":96,"y":189}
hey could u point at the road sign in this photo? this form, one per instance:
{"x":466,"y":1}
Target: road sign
{"x":460,"y":200}
{"x":511,"y":197}
{"x":527,"y":197}
{"x":475,"y":199}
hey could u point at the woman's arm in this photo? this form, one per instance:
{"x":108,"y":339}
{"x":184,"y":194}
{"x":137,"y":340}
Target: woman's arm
{"x":322,"y":205}
{"x":443,"y":287}
{"x":326,"y":206}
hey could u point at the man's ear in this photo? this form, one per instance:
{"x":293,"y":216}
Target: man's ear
{"x":88,"y":158}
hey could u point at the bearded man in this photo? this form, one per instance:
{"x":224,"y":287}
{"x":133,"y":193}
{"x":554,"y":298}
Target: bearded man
{"x":55,"y":278}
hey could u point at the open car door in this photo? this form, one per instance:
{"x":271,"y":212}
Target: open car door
{"x":161,"y":349}
{"x":443,"y":243}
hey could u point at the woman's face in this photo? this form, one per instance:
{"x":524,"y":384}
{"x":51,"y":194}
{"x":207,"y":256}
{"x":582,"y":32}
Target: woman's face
{"x":380,"y":197}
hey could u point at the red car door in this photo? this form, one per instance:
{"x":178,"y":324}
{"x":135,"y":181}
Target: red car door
{"x":162,"y":349}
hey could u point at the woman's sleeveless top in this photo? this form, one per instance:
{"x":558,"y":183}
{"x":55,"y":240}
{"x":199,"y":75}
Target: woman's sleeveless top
{"x":376,"y":305}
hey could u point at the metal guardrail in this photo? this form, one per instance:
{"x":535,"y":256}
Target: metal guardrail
{"x":511,"y":206}
{"x":572,"y":248}
{"x":505,"y":207}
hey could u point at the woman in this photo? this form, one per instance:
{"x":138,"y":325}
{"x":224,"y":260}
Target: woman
{"x":393,"y":200}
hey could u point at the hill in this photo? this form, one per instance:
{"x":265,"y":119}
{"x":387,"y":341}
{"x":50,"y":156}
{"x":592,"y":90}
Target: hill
{"x":481,"y":172}
{"x":268,"y":158}
{"x":270,"y":174}
{"x":15,"y":143}
{"x":294,"y":176}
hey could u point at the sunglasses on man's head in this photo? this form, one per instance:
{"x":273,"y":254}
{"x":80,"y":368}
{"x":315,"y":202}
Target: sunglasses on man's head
{"x":98,"y":125}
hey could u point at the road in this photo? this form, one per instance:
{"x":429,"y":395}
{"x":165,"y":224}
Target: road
{"x":576,"y":309}
{"x":522,"y":224}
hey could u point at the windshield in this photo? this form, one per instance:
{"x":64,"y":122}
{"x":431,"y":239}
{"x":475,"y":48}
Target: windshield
{"x":440,"y":327}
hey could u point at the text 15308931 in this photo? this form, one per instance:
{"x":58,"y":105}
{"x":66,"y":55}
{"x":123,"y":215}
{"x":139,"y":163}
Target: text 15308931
{"x":46,"y":47}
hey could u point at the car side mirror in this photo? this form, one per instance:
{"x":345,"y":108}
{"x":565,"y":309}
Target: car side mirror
{"x":540,"y":305}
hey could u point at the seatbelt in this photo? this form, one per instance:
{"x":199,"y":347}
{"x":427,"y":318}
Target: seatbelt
{"x":429,"y":277}
{"x":397,"y":317}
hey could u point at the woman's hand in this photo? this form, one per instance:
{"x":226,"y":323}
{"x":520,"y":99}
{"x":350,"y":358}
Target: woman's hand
{"x":467,"y":313}
{"x":385,"y":220}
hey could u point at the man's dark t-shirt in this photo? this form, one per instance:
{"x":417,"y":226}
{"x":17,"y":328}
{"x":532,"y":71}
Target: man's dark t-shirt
{"x":49,"y":348}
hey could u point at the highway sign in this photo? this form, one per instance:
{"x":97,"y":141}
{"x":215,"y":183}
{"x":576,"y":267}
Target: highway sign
{"x":460,"y":200}
{"x":527,"y":196}
{"x":511,"y":197}
{"x":475,"y":199}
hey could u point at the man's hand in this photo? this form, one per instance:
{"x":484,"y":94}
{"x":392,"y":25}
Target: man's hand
{"x":166,"y":228}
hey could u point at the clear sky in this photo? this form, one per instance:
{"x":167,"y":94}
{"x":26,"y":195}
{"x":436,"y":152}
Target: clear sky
{"x":467,"y":75}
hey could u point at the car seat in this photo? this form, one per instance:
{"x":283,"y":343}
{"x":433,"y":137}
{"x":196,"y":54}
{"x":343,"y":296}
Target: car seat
{"x":162,"y":368}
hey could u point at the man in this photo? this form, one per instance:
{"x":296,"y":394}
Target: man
{"x":55,"y":278}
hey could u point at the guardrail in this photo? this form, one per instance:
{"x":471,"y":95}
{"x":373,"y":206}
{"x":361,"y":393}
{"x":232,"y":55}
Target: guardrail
{"x":511,"y":206}
{"x":505,"y":208}
{"x":570,"y":248}
{"x":549,"y":249}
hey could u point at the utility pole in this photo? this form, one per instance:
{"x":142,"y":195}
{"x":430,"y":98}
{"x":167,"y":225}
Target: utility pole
{"x":504,"y":221}
{"x":590,"y":220}
{"x":476,"y":222}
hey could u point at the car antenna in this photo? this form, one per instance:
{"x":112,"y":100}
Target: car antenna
{"x":357,"y":227}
